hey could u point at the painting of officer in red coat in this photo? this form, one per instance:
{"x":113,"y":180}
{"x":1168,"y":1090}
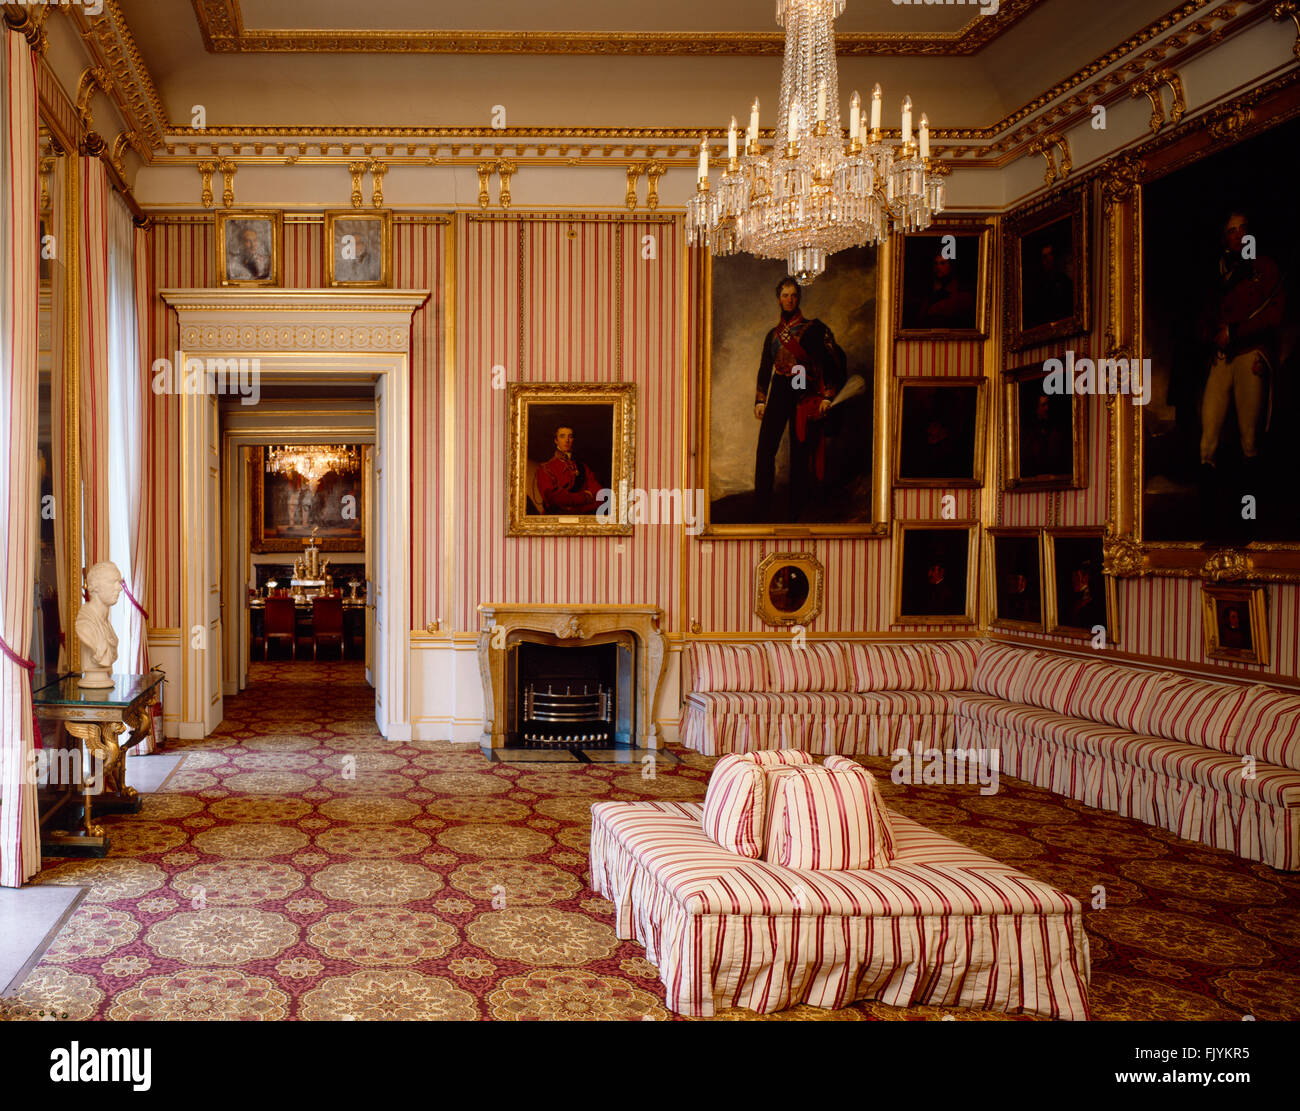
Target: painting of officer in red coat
{"x":790,"y":376}
{"x":1221,"y":325}
{"x":569,"y":453}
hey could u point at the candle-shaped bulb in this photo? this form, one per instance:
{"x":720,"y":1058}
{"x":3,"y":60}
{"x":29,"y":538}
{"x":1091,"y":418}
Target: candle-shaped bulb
{"x":907,"y":119}
{"x":876,"y":100}
{"x":704,"y":158}
{"x":821,"y":101}
{"x":925,"y":136}
{"x":795,"y":114}
{"x":731,"y":140}
{"x":753,"y":121}
{"x":855,"y":115}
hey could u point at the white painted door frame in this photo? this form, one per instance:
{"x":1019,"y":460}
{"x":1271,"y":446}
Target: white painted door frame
{"x":355,"y":335}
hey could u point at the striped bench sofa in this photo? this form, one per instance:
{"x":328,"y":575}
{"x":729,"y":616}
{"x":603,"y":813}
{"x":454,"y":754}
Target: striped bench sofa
{"x":1213,"y":762}
{"x":942,"y":924}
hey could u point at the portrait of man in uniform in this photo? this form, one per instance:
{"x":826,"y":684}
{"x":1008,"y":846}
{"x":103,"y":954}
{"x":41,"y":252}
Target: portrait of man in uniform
{"x":1221,"y":325}
{"x":789,"y":386}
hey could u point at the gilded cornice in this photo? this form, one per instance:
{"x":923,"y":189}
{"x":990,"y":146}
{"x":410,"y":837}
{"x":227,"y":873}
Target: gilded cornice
{"x":221,"y":24}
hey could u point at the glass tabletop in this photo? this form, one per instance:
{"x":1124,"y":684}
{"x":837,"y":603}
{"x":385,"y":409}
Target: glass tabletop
{"x":63,"y":690}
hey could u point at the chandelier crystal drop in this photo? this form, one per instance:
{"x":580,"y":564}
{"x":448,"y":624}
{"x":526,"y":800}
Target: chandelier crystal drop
{"x":312,"y":463}
{"x":813,"y":195}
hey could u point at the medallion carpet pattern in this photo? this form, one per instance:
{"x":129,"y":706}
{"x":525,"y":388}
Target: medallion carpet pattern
{"x":300,"y":866}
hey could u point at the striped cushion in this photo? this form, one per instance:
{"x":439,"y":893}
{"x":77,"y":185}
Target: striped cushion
{"x":887,"y":667}
{"x":735,"y":804}
{"x":1003,"y":671}
{"x":1113,"y":695}
{"x":828,"y":819}
{"x":1270,"y":730}
{"x":1049,"y":683}
{"x":1196,"y":712}
{"x":811,"y":667}
{"x":727,"y":667}
{"x":951,"y":663}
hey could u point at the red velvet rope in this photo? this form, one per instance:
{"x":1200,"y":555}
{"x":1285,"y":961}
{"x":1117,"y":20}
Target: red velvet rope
{"x":29,"y":667}
{"x":131,"y":598}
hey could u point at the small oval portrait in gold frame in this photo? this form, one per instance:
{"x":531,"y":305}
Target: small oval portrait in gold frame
{"x":788,"y":588}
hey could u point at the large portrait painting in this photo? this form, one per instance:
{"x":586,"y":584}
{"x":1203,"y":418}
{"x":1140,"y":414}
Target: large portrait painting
{"x":935,"y":573}
{"x":1047,"y":272}
{"x":571,"y":459}
{"x":943,"y":281}
{"x":789,"y":395}
{"x":289,"y":506}
{"x":1220,"y":321}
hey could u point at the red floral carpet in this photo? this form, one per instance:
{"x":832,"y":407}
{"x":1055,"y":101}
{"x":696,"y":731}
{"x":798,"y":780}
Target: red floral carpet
{"x":298,"y":865}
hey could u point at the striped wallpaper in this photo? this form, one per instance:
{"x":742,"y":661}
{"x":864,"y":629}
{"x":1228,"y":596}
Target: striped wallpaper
{"x":182,"y":254}
{"x":551,"y":300}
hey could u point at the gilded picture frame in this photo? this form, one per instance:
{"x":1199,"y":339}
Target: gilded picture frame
{"x":1080,"y":593}
{"x":924,"y":596}
{"x":1132,"y":550}
{"x":1235,"y":623}
{"x":952,"y":305}
{"x":1014,"y":571}
{"x":1047,"y":271}
{"x":250,"y":247}
{"x":365,"y":261}
{"x":1046,"y":449}
{"x":940,"y":426}
{"x":788,"y":588}
{"x":730,"y":352}
{"x":581,"y":484}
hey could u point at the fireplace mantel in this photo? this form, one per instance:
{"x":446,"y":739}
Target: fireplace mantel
{"x":575,"y":624}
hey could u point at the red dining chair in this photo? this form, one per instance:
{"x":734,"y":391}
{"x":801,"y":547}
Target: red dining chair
{"x":326,"y":622}
{"x":280,"y":622}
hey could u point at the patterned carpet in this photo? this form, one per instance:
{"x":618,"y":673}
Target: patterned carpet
{"x":301,"y":866}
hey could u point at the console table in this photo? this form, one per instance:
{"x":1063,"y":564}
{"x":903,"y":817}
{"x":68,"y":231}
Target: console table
{"x":97,"y":718}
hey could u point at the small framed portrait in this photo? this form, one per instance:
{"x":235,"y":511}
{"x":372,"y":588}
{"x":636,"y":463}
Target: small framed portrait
{"x":1044,"y":442}
{"x":1047,"y":271}
{"x":1080,"y":596}
{"x":939,"y":432}
{"x":1015,"y":568}
{"x":1236,"y":623}
{"x":788,"y":588}
{"x":250,"y":247}
{"x":360,"y":249}
{"x":935,"y":572}
{"x":943,"y":278}
{"x":571,"y":460}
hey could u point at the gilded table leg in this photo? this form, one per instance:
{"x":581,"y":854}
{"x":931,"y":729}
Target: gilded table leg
{"x":98,"y":742}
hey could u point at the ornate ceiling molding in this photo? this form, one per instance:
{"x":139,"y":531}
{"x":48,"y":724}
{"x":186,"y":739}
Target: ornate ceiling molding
{"x":221,"y":24}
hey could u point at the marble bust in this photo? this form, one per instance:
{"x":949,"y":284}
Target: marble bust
{"x":94,"y":630}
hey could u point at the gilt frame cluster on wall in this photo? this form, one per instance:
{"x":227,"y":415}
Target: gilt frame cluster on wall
{"x":250,"y":247}
{"x":572,"y":457}
{"x":790,"y":405}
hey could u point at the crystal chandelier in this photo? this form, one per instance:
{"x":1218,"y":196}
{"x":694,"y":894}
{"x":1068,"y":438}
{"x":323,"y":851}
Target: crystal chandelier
{"x":312,"y":463}
{"x":813,"y":196}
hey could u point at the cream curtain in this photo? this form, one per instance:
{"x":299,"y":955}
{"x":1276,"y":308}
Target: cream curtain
{"x":20,"y":842}
{"x":93,"y":336}
{"x":58,"y":430}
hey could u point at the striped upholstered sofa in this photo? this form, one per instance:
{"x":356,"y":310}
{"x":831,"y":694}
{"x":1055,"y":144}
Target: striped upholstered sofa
{"x":1212,"y":762}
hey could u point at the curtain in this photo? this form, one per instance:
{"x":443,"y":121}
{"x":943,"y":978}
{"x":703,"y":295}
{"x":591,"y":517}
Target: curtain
{"x":94,"y":340}
{"x":20,"y":839}
{"x":58,"y":431}
{"x":124,"y":429}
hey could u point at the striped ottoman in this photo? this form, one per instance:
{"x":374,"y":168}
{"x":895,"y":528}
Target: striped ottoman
{"x":941,"y":925}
